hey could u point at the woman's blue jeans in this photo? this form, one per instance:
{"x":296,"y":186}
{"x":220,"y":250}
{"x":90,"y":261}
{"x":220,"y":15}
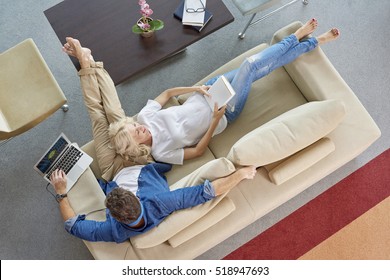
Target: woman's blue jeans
{"x":260,"y":65}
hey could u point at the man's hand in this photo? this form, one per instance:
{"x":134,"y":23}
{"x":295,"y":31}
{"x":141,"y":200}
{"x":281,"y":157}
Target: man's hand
{"x":58,"y":180}
{"x":225,"y":184}
{"x":248,"y":172}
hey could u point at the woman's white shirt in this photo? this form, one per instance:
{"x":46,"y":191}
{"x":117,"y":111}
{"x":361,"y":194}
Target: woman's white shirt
{"x":177,"y":127}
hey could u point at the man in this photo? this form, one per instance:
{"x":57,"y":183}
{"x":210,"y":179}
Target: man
{"x":139,"y":197}
{"x":128,"y":214}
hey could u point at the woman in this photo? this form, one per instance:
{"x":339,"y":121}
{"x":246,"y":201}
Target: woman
{"x":183,"y":132}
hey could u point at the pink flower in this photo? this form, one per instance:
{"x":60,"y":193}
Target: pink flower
{"x":145,"y":11}
{"x":143,"y":25}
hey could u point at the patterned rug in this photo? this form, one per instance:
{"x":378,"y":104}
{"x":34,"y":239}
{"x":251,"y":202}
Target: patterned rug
{"x":350,"y":220}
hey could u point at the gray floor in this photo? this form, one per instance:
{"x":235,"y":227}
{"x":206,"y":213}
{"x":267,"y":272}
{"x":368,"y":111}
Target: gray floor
{"x":31,"y":227}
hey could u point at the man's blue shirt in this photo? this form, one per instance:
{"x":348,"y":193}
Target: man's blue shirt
{"x":157,"y":199}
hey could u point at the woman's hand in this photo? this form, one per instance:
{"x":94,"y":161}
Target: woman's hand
{"x":203,"y":90}
{"x":218,"y":114}
{"x":58,"y":180}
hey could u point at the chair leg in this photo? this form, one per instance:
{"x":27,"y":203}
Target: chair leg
{"x":241,"y":35}
{"x":250,"y":23}
{"x":65,"y":107}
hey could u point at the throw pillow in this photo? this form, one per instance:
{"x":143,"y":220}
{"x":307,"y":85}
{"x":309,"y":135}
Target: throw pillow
{"x":287,"y":133}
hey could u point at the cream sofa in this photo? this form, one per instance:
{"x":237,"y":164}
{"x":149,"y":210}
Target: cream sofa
{"x":300,"y":123}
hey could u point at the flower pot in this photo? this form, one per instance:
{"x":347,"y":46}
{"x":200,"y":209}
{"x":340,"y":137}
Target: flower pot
{"x":147,"y":32}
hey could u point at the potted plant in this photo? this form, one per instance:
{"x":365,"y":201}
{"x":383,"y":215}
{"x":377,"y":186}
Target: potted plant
{"x":146,"y":26}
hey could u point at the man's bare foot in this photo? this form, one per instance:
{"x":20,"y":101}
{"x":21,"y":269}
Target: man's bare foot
{"x":329,"y":36}
{"x":306,"y":29}
{"x":73,"y":47}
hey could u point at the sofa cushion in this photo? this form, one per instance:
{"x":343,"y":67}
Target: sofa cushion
{"x":220,"y":211}
{"x":288,"y":133}
{"x":179,"y":220}
{"x":300,"y":161}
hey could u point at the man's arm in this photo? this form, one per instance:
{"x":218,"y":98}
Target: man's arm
{"x":225,"y":184}
{"x":164,"y":97}
{"x":58,"y":180}
{"x":191,"y":196}
{"x":76,"y":224}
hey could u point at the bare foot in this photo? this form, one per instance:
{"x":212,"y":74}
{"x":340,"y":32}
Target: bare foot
{"x":329,"y":36}
{"x":73,"y":47}
{"x":306,"y":29}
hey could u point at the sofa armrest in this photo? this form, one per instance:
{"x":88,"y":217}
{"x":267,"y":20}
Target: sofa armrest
{"x":89,"y":148}
{"x":288,"y":168}
{"x":317,"y":79}
{"x":312,"y":72}
{"x":86,"y":195}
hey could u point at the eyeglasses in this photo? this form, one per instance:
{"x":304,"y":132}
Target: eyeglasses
{"x":197,"y":10}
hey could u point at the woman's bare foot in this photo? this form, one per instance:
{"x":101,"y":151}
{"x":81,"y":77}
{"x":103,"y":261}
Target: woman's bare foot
{"x":73,"y":47}
{"x":306,"y":29}
{"x":329,"y":36}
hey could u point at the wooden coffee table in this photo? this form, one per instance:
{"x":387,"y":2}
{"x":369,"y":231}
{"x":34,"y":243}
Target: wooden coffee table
{"x":105,"y":27}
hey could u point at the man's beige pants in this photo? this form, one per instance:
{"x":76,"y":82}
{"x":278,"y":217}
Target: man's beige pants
{"x":104,"y":107}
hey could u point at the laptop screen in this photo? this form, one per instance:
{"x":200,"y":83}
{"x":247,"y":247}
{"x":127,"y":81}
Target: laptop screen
{"x":52,"y":154}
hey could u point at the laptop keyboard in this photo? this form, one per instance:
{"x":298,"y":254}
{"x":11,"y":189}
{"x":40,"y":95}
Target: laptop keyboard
{"x":67,"y":161}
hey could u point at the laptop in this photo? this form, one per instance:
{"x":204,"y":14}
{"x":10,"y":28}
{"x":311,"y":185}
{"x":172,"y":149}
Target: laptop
{"x":66,"y":156}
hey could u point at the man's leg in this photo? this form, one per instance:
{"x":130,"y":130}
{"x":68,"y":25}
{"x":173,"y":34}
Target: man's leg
{"x":103,"y":105}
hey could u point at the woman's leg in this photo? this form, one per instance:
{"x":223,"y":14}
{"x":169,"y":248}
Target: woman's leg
{"x":261,"y":64}
{"x":103,"y":105}
{"x":254,"y":69}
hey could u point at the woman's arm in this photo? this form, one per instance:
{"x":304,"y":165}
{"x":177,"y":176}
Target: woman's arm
{"x":164,"y":97}
{"x":199,"y":149}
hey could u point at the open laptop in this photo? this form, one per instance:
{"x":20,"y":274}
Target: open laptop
{"x":65,"y":156}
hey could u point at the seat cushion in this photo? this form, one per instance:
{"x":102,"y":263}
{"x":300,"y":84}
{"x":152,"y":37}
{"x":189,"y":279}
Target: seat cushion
{"x":29,"y":93}
{"x":288,"y":133}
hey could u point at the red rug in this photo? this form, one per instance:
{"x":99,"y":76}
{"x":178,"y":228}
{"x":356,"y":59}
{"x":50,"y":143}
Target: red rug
{"x":323,"y":216}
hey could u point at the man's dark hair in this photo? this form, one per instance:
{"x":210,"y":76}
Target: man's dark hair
{"x":124,"y":206}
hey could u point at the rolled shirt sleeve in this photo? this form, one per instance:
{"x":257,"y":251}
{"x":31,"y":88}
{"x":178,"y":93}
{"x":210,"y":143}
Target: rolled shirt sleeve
{"x":89,"y":230}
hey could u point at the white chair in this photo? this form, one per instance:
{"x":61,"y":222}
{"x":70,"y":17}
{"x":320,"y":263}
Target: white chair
{"x":252,"y":7}
{"x":29,"y":92}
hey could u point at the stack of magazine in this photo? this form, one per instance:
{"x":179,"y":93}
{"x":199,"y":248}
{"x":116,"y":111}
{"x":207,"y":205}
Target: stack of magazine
{"x":197,"y":20}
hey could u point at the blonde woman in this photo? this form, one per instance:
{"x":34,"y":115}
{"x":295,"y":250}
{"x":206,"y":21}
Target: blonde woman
{"x":183,"y":132}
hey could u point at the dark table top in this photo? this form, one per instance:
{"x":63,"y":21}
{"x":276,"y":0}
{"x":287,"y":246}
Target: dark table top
{"x":105,"y":27}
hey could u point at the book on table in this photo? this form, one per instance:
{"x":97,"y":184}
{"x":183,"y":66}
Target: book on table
{"x":221,"y":92}
{"x":196,"y":20}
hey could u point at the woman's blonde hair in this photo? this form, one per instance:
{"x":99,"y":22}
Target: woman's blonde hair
{"x":125,"y":145}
